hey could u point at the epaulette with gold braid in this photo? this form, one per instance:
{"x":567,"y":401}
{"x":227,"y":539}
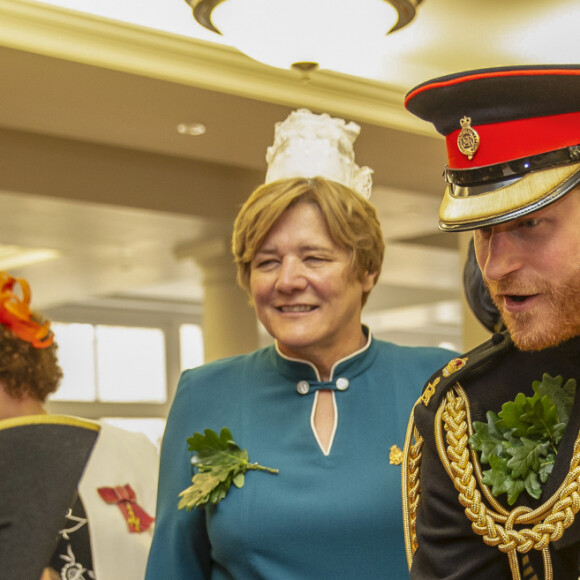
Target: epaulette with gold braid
{"x":432,"y":396}
{"x":461,"y":367}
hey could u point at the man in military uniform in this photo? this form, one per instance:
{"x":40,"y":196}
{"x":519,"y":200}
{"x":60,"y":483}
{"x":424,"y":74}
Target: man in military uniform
{"x":491,"y":481}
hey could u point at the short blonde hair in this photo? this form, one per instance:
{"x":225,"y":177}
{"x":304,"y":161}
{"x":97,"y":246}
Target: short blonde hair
{"x":352,"y":222}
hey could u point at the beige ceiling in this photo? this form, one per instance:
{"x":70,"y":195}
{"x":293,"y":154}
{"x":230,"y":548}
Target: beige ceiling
{"x":91,"y":163}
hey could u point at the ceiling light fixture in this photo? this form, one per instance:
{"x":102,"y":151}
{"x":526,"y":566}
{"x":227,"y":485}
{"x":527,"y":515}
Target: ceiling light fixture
{"x":302,"y":34}
{"x":14,"y":257}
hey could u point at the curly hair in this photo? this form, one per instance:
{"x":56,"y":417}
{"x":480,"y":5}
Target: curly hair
{"x":26,"y":370}
{"x":352,"y":222}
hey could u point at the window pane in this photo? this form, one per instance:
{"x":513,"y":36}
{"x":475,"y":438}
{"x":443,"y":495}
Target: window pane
{"x":77,"y":359}
{"x":131,"y":364}
{"x":191,"y":346}
{"x":152,"y":427}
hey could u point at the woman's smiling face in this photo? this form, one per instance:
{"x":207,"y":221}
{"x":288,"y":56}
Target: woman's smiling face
{"x":305,"y":289}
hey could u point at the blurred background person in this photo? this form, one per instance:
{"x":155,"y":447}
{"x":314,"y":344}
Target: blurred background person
{"x":42,"y":458}
{"x":108,"y":530}
{"x":326,"y":405}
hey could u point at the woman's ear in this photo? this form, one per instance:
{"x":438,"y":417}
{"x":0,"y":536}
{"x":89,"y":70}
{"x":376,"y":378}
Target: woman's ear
{"x":369,"y":279}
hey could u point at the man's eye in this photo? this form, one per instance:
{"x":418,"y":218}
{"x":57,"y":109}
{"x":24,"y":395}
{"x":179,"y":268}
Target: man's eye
{"x":530,"y":223}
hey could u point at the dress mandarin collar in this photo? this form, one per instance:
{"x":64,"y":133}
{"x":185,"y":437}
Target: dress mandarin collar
{"x":347,"y":367}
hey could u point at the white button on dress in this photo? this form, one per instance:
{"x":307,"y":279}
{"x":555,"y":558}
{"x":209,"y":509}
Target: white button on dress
{"x":303,"y":387}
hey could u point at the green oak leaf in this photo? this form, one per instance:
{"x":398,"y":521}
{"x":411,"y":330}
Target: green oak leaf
{"x":542,"y":417}
{"x":562,"y":396}
{"x":520,"y":442}
{"x":516,"y":486}
{"x":532,"y":485}
{"x":497,"y":477}
{"x":526,"y":457}
{"x":219,"y":462}
{"x":488,"y":438}
{"x":510,"y":416}
{"x":546,"y":466}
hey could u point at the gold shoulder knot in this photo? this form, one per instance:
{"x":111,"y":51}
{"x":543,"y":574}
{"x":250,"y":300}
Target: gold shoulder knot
{"x":454,"y":365}
{"x":451,"y":367}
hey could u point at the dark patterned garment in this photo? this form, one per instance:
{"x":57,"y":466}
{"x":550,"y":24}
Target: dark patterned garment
{"x":72,"y":558}
{"x":448,"y":548}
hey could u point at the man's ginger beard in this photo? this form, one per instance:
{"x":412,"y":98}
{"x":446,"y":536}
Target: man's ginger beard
{"x":550,"y":323}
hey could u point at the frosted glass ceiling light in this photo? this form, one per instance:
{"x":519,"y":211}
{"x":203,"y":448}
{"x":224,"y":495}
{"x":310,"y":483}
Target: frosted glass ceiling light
{"x":302,"y":34}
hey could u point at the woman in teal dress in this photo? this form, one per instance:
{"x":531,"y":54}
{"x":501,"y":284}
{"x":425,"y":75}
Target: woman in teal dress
{"x":326,"y":405}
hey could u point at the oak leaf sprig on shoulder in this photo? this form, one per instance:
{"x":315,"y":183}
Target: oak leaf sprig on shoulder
{"x":219,"y":462}
{"x":520,"y":443}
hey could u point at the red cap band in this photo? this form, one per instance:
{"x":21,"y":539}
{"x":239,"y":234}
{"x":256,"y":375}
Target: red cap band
{"x":509,"y":140}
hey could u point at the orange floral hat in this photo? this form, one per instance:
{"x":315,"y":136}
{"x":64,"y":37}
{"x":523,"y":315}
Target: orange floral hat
{"x":15,"y":313}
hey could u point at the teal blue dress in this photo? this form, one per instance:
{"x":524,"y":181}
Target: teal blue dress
{"x":334,"y":515}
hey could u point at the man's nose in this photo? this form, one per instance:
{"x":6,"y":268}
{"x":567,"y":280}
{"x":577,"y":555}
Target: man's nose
{"x":502,"y":256}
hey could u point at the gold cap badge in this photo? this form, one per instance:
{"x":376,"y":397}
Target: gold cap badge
{"x":468,"y":138}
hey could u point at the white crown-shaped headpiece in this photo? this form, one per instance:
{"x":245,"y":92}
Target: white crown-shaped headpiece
{"x":310,"y":145}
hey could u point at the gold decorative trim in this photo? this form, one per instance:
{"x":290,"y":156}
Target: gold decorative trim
{"x":429,"y":391}
{"x":411,"y":485}
{"x":496,"y":525}
{"x":459,"y":210}
{"x":48,"y":420}
{"x":453,"y":366}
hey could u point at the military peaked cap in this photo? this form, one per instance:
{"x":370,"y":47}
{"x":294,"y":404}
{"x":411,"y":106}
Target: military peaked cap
{"x":513,"y":140}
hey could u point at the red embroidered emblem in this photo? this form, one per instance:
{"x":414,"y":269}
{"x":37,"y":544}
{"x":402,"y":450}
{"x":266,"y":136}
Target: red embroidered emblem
{"x":136,"y":517}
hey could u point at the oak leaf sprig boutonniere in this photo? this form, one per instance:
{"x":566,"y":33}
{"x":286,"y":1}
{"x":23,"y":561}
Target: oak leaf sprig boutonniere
{"x":520,"y":443}
{"x":219,"y":462}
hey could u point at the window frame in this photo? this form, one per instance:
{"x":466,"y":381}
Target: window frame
{"x":168,"y":317}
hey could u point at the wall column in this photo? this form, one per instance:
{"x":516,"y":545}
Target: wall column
{"x":229,"y":323}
